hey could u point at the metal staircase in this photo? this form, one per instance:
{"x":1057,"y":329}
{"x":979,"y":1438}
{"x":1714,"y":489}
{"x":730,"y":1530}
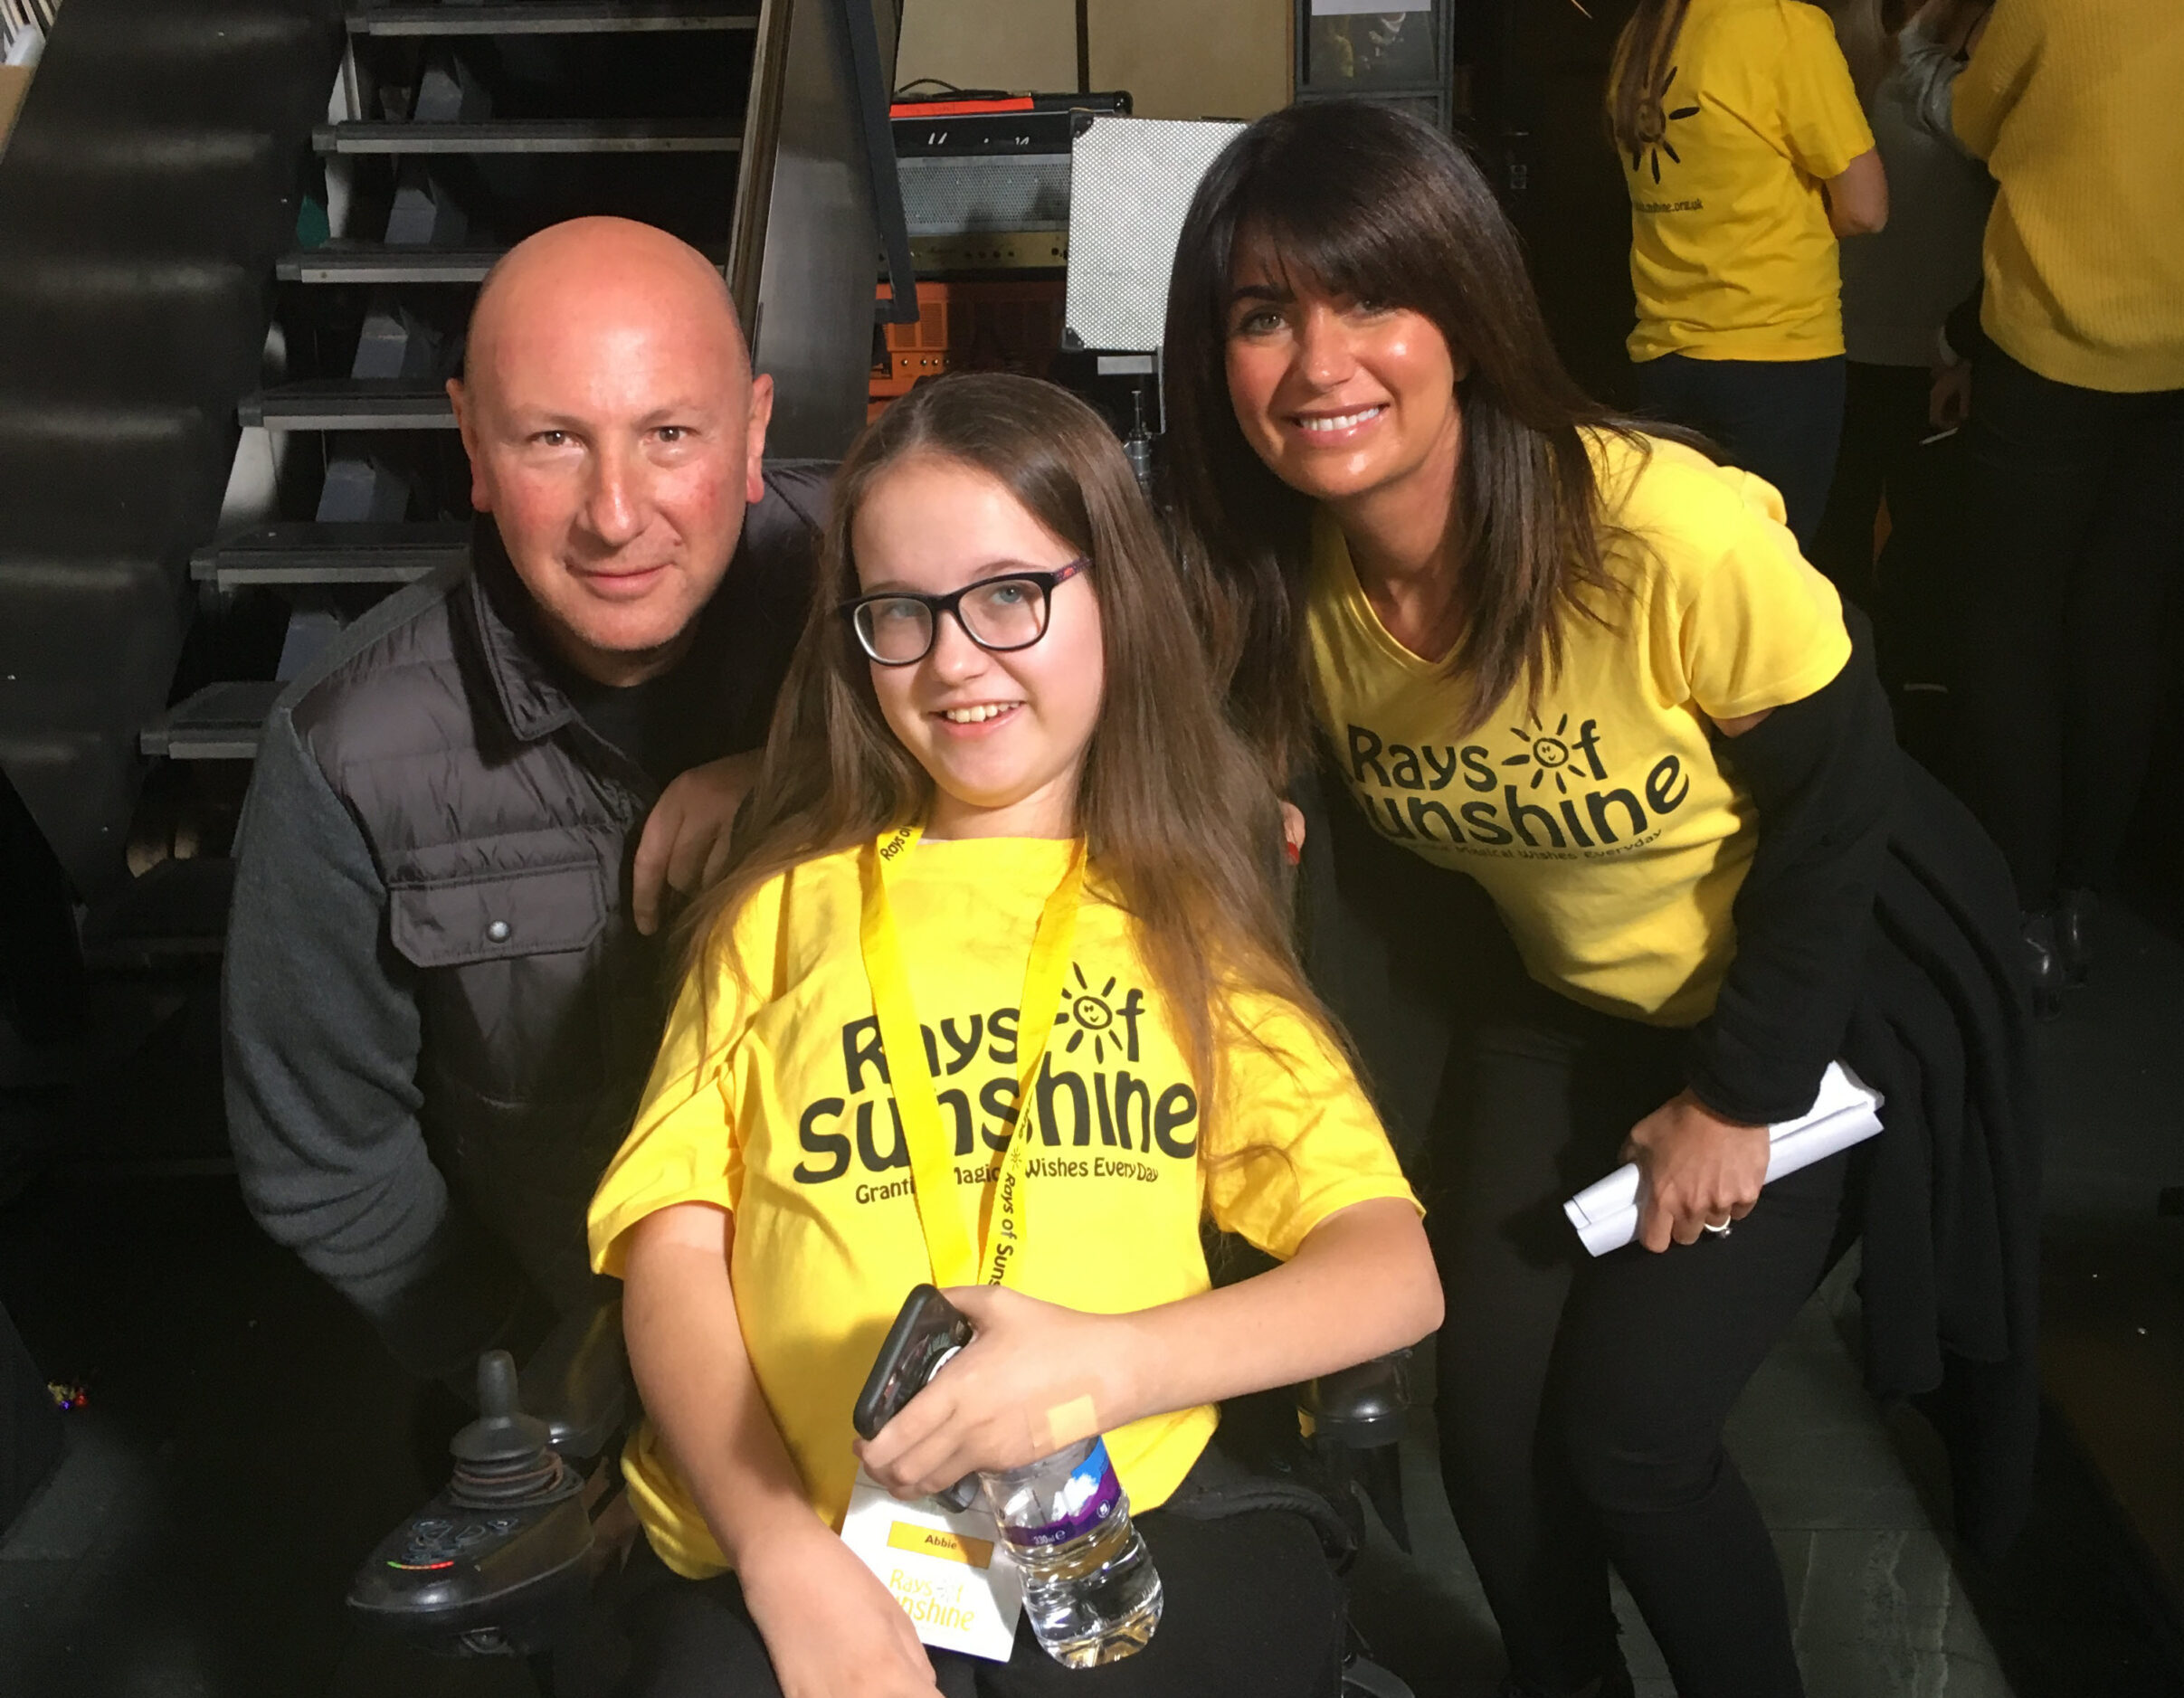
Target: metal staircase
{"x":299,"y":362}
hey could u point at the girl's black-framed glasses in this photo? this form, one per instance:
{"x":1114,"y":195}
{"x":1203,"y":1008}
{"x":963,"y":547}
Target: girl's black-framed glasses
{"x":896,"y":627}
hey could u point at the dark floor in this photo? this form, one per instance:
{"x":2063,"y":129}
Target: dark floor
{"x":245,"y":1440}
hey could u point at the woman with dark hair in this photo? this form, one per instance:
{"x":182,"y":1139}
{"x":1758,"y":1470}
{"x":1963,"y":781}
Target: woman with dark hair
{"x":1587,"y":668}
{"x":1746,"y":155}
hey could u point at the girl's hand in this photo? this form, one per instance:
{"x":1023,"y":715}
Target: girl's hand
{"x":1695,"y":1169}
{"x":685,"y":840}
{"x":1037,"y":1377}
{"x":833,"y":1629}
{"x":1293,"y":833}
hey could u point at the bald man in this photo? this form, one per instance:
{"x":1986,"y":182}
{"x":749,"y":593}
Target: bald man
{"x":445,"y":971}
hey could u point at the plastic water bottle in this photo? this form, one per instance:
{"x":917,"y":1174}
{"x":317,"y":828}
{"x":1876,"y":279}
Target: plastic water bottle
{"x":1091,"y":1588}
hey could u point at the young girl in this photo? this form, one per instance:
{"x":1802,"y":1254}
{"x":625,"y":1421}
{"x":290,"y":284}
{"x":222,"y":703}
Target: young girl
{"x":999,"y":780}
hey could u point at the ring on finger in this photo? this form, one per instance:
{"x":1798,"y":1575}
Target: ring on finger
{"x":1720,"y":1228}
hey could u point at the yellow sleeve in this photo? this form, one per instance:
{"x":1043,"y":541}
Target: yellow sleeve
{"x":1988,"y":87}
{"x":682,"y":1147}
{"x":1739,"y":622}
{"x":1298,"y":1140}
{"x":1823,"y":126}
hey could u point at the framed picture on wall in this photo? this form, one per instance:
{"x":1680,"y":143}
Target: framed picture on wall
{"x":1395,"y":51}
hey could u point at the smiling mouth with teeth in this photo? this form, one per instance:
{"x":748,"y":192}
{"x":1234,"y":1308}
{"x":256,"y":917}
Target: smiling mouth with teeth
{"x":1341,"y":421}
{"x":972,"y":716}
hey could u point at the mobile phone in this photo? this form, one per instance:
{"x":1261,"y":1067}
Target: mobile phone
{"x":927,"y":1331}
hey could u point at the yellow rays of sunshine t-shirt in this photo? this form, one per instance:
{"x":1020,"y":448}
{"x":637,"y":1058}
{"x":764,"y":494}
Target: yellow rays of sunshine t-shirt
{"x":775,"y":1104}
{"x":1608,"y":834}
{"x":1731,"y":252}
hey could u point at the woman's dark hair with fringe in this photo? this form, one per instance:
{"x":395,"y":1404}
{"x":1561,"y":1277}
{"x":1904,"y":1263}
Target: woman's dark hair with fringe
{"x":1181,"y":828}
{"x":1364,"y":203}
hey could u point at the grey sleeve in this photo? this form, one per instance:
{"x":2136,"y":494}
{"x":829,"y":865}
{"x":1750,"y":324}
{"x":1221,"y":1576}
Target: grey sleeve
{"x":321,"y":1034}
{"x":1929,"y":69}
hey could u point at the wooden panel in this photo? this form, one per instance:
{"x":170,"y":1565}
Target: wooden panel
{"x":14,"y":83}
{"x":1197,"y":59}
{"x":1021,"y":44}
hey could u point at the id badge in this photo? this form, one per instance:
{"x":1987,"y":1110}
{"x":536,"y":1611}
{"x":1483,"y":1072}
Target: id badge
{"x":951,"y":1574}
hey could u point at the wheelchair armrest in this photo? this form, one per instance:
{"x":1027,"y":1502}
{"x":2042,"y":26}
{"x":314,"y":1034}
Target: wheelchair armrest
{"x":1353,"y":1418}
{"x":1360,"y":1407}
{"x":577,"y":1381}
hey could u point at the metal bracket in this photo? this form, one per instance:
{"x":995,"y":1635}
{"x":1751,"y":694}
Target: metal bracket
{"x":871,"y":93}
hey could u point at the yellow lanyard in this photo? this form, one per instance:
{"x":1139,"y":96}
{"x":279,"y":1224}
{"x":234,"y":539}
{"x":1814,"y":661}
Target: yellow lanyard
{"x":932,"y":1162}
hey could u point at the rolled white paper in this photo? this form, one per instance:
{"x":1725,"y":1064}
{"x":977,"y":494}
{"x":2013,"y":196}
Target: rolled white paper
{"x":1846,"y":1111}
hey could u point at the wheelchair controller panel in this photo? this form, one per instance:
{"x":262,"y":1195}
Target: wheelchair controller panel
{"x":499,"y":1556}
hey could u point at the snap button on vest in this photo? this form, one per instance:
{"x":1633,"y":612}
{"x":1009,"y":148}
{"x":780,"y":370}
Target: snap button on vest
{"x":498,"y":932}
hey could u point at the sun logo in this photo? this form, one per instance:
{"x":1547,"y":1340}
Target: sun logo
{"x":1097,"y":1016}
{"x":1547,"y":756}
{"x":1662,"y":144}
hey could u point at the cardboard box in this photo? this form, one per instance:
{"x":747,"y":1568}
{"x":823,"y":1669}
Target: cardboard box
{"x":14,"y":83}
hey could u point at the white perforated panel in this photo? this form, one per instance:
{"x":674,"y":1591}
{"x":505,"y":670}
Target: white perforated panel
{"x":1131,"y":183}
{"x":952,"y":196}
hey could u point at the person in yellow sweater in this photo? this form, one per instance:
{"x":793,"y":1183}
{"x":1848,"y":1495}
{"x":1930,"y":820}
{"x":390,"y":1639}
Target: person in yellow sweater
{"x":2077,"y":443}
{"x":999,"y":810}
{"x":1746,"y":155}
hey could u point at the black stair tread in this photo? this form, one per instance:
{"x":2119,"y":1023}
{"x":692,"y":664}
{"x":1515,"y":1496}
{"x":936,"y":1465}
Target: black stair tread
{"x":176,"y":908}
{"x":309,"y":553}
{"x":551,"y":17}
{"x":74,"y":455}
{"x":147,"y":188}
{"x":221,"y":722}
{"x":540,"y":135}
{"x":193,"y":327}
{"x":347,"y":261}
{"x":351,"y":404}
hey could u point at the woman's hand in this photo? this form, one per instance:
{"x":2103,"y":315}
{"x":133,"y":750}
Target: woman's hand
{"x":1037,"y":1377}
{"x":1293,"y":833}
{"x":1949,"y":402}
{"x":685,"y":840}
{"x":1695,"y":1169}
{"x":833,"y":1629}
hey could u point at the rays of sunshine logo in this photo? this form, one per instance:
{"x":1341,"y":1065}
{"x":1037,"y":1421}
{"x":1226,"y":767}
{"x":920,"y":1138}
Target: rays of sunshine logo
{"x":1588,"y":810}
{"x":1663,"y":144}
{"x":1103,"y":1087}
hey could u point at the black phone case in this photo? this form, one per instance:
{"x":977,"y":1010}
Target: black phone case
{"x":927,"y":1330}
{"x":927,"y":1327}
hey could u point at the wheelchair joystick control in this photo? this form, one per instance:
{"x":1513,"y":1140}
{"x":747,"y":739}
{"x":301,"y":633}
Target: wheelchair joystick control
{"x":504,"y":1457}
{"x":499,"y":1560}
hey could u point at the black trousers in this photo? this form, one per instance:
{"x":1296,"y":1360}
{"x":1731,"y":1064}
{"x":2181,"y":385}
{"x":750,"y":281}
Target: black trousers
{"x":1908,"y":589}
{"x":2077,"y":523}
{"x":1782,"y":419}
{"x":1250,"y":1610}
{"x":1581,"y":1401}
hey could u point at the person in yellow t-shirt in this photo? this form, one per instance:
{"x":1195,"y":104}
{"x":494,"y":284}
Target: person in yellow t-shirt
{"x":2076,"y":521}
{"x":1584,"y":670}
{"x":1746,"y":153}
{"x":999,"y":651}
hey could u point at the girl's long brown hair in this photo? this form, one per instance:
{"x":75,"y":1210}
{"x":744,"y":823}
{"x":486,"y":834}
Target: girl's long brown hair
{"x":1182,"y":826}
{"x":1637,"y":76}
{"x":1364,"y":203}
